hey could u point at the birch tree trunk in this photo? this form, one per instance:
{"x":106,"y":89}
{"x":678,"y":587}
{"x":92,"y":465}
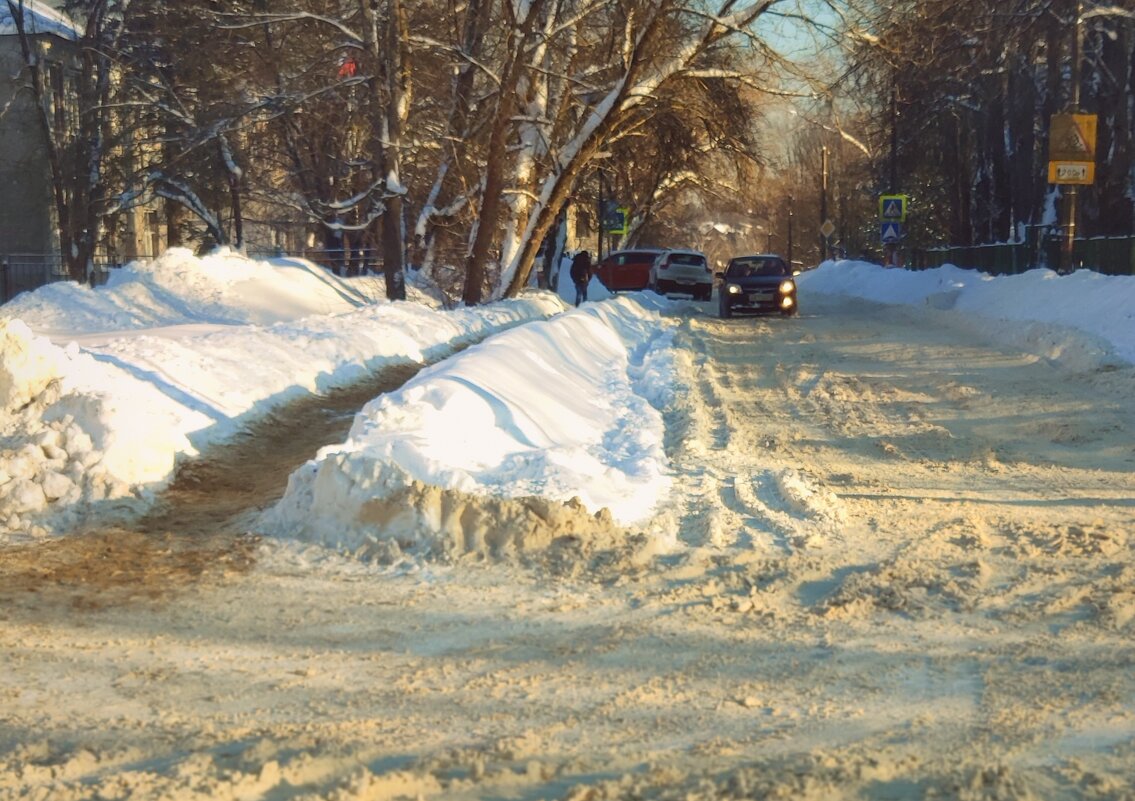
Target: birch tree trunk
{"x":523,"y":15}
{"x":533,"y":133}
{"x":639,"y":80}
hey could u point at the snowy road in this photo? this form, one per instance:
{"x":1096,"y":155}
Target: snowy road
{"x":904,"y":571}
{"x":883,"y":422}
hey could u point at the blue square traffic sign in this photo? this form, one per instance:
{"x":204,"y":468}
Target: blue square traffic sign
{"x":893,"y":207}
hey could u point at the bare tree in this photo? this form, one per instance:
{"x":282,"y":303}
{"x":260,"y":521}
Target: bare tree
{"x":662,"y":42}
{"x":968,"y":109}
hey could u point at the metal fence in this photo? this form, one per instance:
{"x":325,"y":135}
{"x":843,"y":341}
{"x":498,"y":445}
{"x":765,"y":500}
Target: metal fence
{"x":1108,"y":255}
{"x":23,"y":272}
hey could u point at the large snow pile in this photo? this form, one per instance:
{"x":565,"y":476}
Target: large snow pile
{"x":566,"y":410}
{"x":222,"y":288}
{"x":1102,"y":306}
{"x":177,"y":355}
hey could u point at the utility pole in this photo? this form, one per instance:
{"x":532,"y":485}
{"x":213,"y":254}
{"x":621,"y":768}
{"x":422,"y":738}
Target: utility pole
{"x":894,"y":188}
{"x":823,"y":202}
{"x":790,"y":202}
{"x":890,"y":249}
{"x":1067,"y":246}
{"x":599,"y":220}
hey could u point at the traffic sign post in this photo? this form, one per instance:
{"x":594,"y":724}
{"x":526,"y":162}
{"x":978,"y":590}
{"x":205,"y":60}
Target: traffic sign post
{"x":892,"y":214}
{"x":1071,"y":163}
{"x":827,"y":228}
{"x":1072,"y":149}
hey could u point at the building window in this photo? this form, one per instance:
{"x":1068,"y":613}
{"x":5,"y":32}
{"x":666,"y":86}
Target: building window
{"x":56,"y":97}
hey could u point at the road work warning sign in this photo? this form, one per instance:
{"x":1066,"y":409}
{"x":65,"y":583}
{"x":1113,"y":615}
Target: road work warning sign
{"x":1072,"y":149}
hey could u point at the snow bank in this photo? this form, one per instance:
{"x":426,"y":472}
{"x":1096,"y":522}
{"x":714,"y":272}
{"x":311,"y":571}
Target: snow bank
{"x":460,"y":458}
{"x":178,"y":288}
{"x":1100,"y":306}
{"x":95,"y":422}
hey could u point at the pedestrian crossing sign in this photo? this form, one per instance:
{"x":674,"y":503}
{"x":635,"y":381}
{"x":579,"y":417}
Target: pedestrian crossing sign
{"x":890,"y":232}
{"x":892,"y":208}
{"x":615,"y":218}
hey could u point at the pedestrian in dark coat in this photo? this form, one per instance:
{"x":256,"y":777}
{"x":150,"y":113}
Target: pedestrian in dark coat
{"x":581,"y":275}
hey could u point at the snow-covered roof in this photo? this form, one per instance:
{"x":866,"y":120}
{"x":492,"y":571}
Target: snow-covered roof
{"x":39,"y":18}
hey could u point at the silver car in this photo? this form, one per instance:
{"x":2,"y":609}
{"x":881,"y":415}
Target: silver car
{"x":682,"y":272}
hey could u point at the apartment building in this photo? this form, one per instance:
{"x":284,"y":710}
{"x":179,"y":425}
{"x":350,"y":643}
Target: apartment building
{"x":27,"y":218}
{"x":29,"y":234}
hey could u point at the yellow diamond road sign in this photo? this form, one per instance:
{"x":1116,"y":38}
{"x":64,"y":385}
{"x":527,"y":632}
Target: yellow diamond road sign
{"x":827,"y":229}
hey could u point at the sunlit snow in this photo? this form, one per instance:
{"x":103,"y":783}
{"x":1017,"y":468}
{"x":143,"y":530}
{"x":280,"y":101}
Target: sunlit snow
{"x":103,"y":392}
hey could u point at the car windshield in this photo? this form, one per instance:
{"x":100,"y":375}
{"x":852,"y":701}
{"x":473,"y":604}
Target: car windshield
{"x":744,"y":268}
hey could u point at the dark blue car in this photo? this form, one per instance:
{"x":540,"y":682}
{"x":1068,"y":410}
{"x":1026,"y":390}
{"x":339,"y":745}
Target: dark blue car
{"x":756,"y":284}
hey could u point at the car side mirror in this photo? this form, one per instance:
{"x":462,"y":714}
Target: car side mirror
{"x":719,"y":275}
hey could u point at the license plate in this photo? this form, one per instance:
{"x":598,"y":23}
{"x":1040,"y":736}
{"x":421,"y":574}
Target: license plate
{"x":760,"y":297}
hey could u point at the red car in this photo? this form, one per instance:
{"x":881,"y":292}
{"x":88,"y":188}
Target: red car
{"x":627,"y":270}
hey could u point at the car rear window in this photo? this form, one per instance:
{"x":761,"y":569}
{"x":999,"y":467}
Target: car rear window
{"x":633,"y":257}
{"x":637,"y":258}
{"x":687,"y":258}
{"x":740,"y":268}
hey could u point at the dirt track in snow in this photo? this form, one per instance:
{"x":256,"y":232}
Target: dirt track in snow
{"x":906,"y":571}
{"x":198,"y":532}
